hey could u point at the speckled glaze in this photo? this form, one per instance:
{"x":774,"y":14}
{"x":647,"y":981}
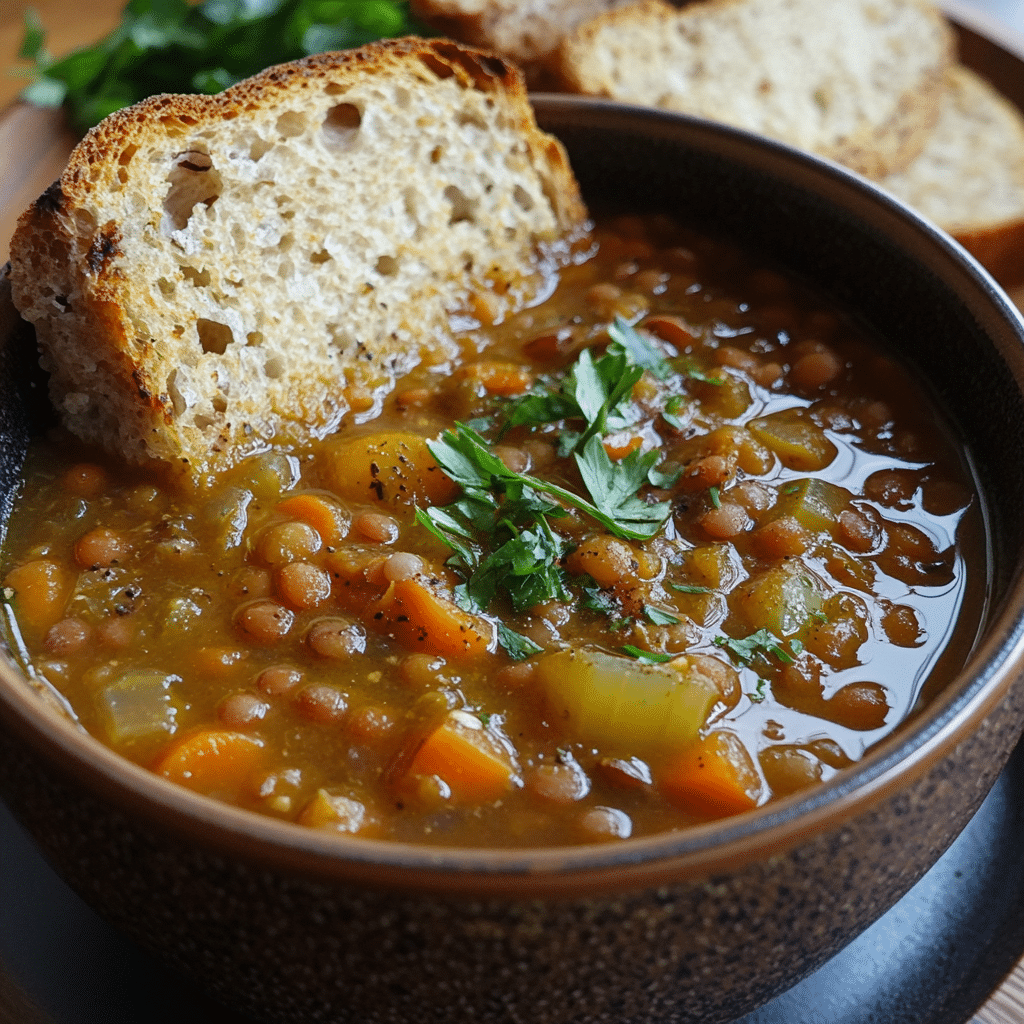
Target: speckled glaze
{"x":290,"y":925}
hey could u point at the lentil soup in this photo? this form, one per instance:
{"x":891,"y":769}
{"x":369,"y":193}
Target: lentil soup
{"x":675,"y":542}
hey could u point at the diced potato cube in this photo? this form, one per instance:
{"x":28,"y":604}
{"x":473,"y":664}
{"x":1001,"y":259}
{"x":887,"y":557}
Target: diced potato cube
{"x":138,"y":707}
{"x":388,"y":468}
{"x":814,"y":503}
{"x":711,"y":565}
{"x":784,"y":600}
{"x":334,"y":812}
{"x":797,"y":440}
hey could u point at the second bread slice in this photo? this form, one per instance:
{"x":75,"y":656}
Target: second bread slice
{"x":855,"y":80}
{"x":970,"y":177}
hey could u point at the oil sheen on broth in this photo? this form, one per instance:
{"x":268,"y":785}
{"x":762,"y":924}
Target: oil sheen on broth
{"x":677,"y":541}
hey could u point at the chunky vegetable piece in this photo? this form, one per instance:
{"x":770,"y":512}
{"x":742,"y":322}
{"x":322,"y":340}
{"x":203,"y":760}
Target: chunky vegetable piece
{"x":624,"y":706}
{"x":626,"y":567}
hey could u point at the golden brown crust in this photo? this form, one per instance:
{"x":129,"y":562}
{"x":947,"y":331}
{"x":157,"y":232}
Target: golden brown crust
{"x":595,"y":59}
{"x":213,"y":273}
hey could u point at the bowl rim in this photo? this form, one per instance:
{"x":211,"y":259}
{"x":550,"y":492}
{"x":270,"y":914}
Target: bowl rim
{"x":697,"y":852}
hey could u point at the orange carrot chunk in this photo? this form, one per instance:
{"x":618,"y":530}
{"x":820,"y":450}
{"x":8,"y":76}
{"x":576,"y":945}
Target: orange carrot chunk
{"x":714,"y":776}
{"x":420,"y":616}
{"x":39,"y":590}
{"x":212,"y":761}
{"x":327,"y":517}
{"x":468,"y":757}
{"x":499,"y":378}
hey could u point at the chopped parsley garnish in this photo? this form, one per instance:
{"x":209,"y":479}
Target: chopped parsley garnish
{"x":744,"y":650}
{"x":689,"y":588}
{"x":651,"y":657}
{"x":658,"y":617}
{"x":642,"y":352}
{"x":501,"y":528}
{"x":759,"y":692}
{"x":716,"y":499}
{"x":670,"y":414}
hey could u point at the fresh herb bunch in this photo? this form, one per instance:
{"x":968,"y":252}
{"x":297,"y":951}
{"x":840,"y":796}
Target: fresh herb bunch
{"x":173,"y":46}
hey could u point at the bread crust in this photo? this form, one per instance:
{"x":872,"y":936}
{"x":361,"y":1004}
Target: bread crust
{"x":969,"y":179}
{"x":525,"y":32}
{"x":212,"y":274}
{"x":685,"y":51}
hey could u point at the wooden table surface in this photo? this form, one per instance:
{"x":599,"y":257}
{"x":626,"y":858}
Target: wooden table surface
{"x":32,"y":154}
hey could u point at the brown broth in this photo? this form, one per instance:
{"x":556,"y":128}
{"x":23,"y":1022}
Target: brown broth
{"x":228,"y":640}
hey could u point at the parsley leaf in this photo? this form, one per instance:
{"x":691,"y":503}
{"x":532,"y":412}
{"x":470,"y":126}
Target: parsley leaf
{"x":689,"y":588}
{"x":651,"y":657}
{"x":515,"y":644}
{"x":744,"y":650}
{"x":175,"y":46}
{"x":642,"y":352}
{"x":658,"y":617}
{"x":613,"y":486}
{"x":759,"y":693}
{"x":670,"y":414}
{"x":465,"y":456}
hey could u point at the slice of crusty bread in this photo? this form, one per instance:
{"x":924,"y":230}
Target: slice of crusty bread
{"x":969,"y":178}
{"x":855,"y":80}
{"x":213,"y":273}
{"x":526,"y":31}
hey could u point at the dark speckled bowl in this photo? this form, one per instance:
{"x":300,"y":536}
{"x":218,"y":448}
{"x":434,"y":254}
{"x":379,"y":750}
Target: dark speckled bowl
{"x":292,"y":925}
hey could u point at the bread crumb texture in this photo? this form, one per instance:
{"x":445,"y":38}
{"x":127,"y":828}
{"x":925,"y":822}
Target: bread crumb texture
{"x":858,"y":81}
{"x":212,"y":274}
{"x":526,"y":31}
{"x":969,"y":178}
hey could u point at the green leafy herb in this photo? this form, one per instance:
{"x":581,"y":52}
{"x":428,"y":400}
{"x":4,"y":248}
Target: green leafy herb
{"x":656,"y":477}
{"x":670,"y":414}
{"x":744,"y":650}
{"x":658,"y":617}
{"x":614,"y":486}
{"x":716,"y":499}
{"x":651,"y":657}
{"x":465,"y":456}
{"x":759,"y":692}
{"x":689,"y":588}
{"x":175,"y":46}
{"x":694,"y":372}
{"x":642,"y":352}
{"x":595,"y":391}
{"x":596,"y":600}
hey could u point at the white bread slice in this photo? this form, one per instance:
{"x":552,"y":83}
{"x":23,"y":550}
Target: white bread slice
{"x":969,"y":178}
{"x":214,"y":273}
{"x":858,"y":81}
{"x":526,"y":31}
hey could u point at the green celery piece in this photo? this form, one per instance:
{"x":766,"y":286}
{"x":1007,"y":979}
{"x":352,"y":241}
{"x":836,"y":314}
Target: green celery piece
{"x":816,"y":504}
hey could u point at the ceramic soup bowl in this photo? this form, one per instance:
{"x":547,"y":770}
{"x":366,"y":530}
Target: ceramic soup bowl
{"x":288,"y":924}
